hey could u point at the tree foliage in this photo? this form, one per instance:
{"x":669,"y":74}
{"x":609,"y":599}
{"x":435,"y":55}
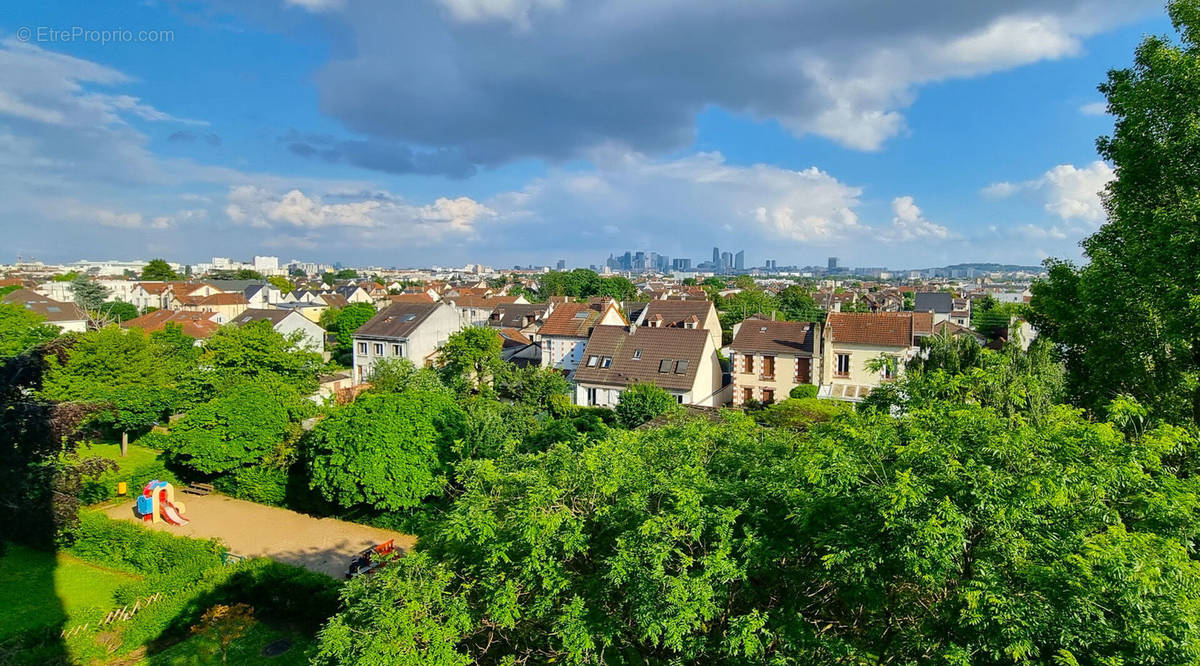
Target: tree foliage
{"x":349,"y":319}
{"x":948,"y":534}
{"x":159,"y":270}
{"x":641,"y":402}
{"x":1129,"y":321}
{"x":471,"y":356}
{"x":88,"y":294}
{"x":21,"y":329}
{"x":256,"y":350}
{"x":385,"y":450}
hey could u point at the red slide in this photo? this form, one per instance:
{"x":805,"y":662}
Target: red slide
{"x":172,"y":516}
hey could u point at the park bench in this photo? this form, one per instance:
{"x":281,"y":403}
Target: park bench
{"x":199,"y":489}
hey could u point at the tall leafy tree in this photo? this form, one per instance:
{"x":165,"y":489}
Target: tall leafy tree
{"x":21,"y":329}
{"x":89,"y":294}
{"x":159,"y":270}
{"x":254,"y":350}
{"x":471,"y":356}
{"x":385,"y":450}
{"x":1130,"y":319}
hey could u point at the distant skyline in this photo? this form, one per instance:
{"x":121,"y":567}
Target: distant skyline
{"x":527,"y":131}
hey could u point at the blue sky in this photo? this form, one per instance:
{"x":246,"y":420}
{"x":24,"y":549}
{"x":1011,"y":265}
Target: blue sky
{"x":524,"y":131}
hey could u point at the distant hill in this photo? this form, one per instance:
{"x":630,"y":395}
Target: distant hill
{"x":1004,"y":268}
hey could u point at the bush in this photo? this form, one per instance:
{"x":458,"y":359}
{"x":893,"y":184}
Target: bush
{"x":803,"y":412}
{"x":803,"y":391}
{"x":105,"y":488}
{"x":265,"y":485}
{"x":130,"y":547}
{"x":642,"y":402}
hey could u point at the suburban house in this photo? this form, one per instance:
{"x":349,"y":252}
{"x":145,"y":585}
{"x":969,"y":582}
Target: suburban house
{"x":413,"y":331}
{"x":263,"y":295}
{"x":226,"y":305}
{"x":678,"y":313}
{"x":960,"y":312}
{"x":851,"y":341}
{"x":524,"y":317}
{"x":199,"y":325}
{"x":184,"y":295}
{"x":682,"y":361}
{"x":770,"y":358}
{"x":287,"y":322}
{"x":150,"y":295}
{"x":66,"y":316}
{"x":939,"y":303}
{"x":414,"y":297}
{"x":517,"y":348}
{"x":355,"y":294}
{"x":477,"y":310}
{"x":567,"y":328}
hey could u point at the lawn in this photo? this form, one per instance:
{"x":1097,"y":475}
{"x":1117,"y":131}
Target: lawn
{"x":49,"y":589}
{"x":138,"y":455}
{"x":246,"y":650}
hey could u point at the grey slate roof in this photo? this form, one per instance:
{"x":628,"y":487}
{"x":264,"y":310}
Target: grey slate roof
{"x":396,"y":321}
{"x":935,"y":301}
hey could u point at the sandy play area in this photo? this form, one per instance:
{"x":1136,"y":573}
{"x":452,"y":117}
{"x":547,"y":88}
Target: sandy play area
{"x":255,"y":530}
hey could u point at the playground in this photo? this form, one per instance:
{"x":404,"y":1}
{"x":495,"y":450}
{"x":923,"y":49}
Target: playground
{"x":324,"y":545}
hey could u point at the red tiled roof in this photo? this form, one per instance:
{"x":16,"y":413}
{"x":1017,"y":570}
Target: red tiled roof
{"x":574,"y":320}
{"x":411,"y":297}
{"x":196,"y":324}
{"x":888,"y":329}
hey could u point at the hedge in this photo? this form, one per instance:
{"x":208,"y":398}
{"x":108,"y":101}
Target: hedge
{"x":264,"y":485}
{"x":803,"y":391}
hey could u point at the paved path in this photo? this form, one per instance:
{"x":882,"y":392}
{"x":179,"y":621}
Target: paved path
{"x":256,"y":530}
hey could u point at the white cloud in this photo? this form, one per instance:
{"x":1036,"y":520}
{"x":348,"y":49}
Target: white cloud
{"x":908,"y":224}
{"x":1072,"y":193}
{"x":1094,"y":109}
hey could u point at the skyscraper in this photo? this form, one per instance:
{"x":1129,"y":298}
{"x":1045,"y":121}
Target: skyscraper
{"x":716,"y":256}
{"x":739,"y":260}
{"x":562,"y":264}
{"x":833,"y":264}
{"x":726,"y":261}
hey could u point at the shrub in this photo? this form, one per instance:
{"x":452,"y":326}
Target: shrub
{"x":803,"y":391}
{"x":130,"y":547}
{"x":265,"y":485}
{"x":803,"y":412}
{"x":105,"y":488}
{"x":642,"y":402}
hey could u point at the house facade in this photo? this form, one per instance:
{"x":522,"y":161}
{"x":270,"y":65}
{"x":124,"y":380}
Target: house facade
{"x":413,"y":331}
{"x":567,"y":328}
{"x":287,"y":323}
{"x":681,"y":361}
{"x":770,"y":358}
{"x":678,"y":313}
{"x":851,"y":342}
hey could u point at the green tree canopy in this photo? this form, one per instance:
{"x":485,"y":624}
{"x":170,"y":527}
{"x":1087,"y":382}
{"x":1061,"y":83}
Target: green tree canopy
{"x":642,"y":402}
{"x":250,"y":422}
{"x":349,"y":319}
{"x":471,"y":356}
{"x":159,"y":270}
{"x":949,"y":534}
{"x":254,"y":350}
{"x":1129,"y":321}
{"x":282,"y":284}
{"x":384,"y":450}
{"x":118,"y":311}
{"x":89,"y":294}
{"x":21,"y":329}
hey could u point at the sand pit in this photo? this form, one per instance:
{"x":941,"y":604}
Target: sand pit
{"x":255,"y":530}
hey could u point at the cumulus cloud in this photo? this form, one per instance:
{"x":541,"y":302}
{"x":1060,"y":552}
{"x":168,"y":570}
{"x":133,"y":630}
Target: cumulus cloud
{"x":1069,"y":192}
{"x":1094,"y":109}
{"x":492,"y":81}
{"x":387,"y":218}
{"x":908,"y":224}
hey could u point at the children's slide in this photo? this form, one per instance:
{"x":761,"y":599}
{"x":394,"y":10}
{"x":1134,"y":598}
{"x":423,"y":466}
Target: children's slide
{"x":172,"y":516}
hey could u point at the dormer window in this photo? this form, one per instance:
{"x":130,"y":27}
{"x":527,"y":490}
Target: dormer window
{"x":592,"y":361}
{"x":637,"y":354}
{"x":606,"y":361}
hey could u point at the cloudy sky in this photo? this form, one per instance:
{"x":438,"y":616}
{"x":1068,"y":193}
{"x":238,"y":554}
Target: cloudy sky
{"x":524,"y":131}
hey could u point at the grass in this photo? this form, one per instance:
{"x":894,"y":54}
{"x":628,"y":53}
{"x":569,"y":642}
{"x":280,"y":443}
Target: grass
{"x":246,"y":650}
{"x":43,"y":588}
{"x":138,"y":455}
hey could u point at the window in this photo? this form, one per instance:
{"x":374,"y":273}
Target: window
{"x":749,"y":363}
{"x":679,"y":398}
{"x":889,"y":367}
{"x":396,"y":350}
{"x":768,"y":396}
{"x":379,"y":349}
{"x":680,"y":367}
{"x":747,"y":395}
{"x":591,"y":397}
{"x":842,"y":366}
{"x":664,"y":365}
{"x":606,"y":361}
{"x":768,"y":367}
{"x":362,"y":347}
{"x":592,"y":360}
{"x":637,"y":354}
{"x":582,"y":314}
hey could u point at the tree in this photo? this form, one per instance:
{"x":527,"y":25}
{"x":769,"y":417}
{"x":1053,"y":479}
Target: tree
{"x":159,"y":270}
{"x":282,"y":284}
{"x":118,"y":311}
{"x":531,"y":385}
{"x":345,"y":274}
{"x":247,"y":423}
{"x":222,"y":625}
{"x":255,"y":350}
{"x":349,"y":319}
{"x":618,"y":287}
{"x":797,"y":304}
{"x":384,"y":450}
{"x":1129,"y":321}
{"x":89,"y":295}
{"x":395,"y":375}
{"x":21,"y":329}
{"x":945,"y":535}
{"x":471,"y":356}
{"x":642,"y":402}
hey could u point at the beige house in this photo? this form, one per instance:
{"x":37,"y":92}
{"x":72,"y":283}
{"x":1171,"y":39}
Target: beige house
{"x":852,"y":341}
{"x":681,"y":361}
{"x":413,"y":331}
{"x":770,"y":358}
{"x":567,"y":328}
{"x":226,"y":305}
{"x":186,"y":295}
{"x":694,"y":313}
